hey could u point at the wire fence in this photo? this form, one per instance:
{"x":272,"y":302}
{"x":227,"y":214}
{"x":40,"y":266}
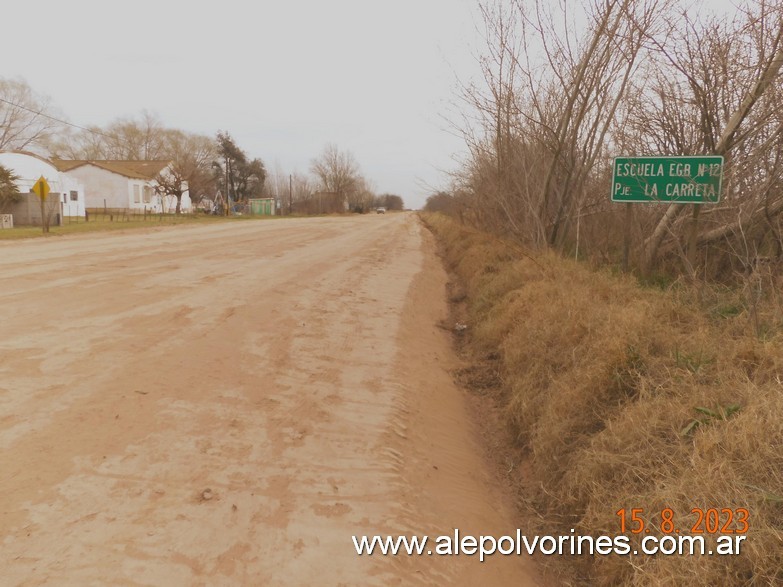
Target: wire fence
{"x":146,"y":215}
{"x":118,"y":215}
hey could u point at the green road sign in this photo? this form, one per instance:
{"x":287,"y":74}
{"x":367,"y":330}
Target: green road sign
{"x":680,"y":179}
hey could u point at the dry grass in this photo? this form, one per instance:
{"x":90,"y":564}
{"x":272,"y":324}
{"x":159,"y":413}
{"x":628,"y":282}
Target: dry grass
{"x":602,"y":376}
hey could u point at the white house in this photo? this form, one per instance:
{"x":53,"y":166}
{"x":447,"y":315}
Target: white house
{"x":29,"y":167}
{"x":127,"y":185}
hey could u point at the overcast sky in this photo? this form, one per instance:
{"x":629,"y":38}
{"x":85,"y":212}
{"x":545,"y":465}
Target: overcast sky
{"x":283,"y":77}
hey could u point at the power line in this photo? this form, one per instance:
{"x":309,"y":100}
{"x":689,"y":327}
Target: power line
{"x":38,"y":113}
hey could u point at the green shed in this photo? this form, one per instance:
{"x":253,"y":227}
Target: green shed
{"x":262,"y":207}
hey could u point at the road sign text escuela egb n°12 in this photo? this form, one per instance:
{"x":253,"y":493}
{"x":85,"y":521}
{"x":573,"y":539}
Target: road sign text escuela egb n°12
{"x":678,"y":179}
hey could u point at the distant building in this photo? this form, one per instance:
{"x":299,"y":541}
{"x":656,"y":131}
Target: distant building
{"x":66,"y":197}
{"x":126,"y":185}
{"x":262,"y":206}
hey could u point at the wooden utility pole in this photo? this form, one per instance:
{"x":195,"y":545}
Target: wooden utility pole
{"x":228,"y":199}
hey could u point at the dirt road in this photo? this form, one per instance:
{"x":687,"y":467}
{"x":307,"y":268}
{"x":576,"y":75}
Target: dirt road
{"x":229,"y":404}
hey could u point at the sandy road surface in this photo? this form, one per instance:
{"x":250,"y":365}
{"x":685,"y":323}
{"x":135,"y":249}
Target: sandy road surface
{"x":229,"y":404}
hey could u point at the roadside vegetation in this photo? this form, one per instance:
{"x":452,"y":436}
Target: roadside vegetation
{"x":636,"y":347}
{"x":625,"y":396}
{"x":569,"y":86}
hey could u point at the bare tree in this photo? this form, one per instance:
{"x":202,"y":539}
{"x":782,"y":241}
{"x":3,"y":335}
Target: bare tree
{"x":494,"y":176}
{"x":718,"y":72}
{"x":191,"y":159}
{"x":141,"y":138}
{"x":25,"y":117}
{"x":362,"y":196}
{"x":279,"y":185}
{"x":544,"y":120}
{"x":594,"y":89}
{"x":302,"y":187}
{"x":336,"y":171}
{"x":88,"y":143}
{"x":559,"y":100}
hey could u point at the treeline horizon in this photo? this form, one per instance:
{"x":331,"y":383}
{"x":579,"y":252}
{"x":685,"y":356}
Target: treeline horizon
{"x":210,"y":164}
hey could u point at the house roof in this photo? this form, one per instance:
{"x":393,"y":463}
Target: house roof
{"x":132,"y":169}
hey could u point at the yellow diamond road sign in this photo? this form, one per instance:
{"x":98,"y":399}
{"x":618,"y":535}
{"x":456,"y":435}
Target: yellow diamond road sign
{"x":41,"y":187}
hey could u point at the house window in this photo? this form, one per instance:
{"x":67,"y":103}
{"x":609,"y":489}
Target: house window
{"x":147,"y":194}
{"x":65,"y":198}
{"x":136,"y":194}
{"x":74,"y":196}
